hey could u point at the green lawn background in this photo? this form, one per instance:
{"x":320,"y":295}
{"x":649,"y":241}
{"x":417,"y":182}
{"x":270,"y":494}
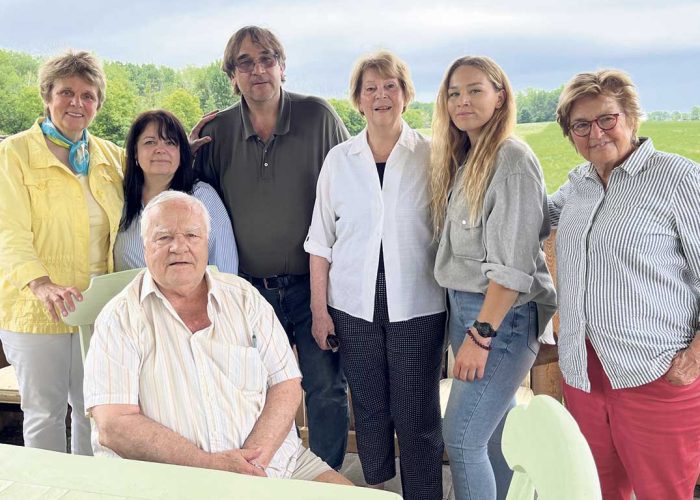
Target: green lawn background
{"x":557,"y":155}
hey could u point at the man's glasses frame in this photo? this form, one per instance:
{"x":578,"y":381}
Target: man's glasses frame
{"x":267,"y":61}
{"x":582,"y":128}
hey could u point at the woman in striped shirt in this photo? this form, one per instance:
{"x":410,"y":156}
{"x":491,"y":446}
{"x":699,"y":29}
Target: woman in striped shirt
{"x":628,"y":260}
{"x":158,"y":158}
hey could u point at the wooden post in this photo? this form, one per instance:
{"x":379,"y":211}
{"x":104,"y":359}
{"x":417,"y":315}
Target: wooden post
{"x":546,"y":379}
{"x":545,"y":375}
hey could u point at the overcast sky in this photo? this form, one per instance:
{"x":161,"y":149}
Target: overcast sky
{"x":539,"y":44}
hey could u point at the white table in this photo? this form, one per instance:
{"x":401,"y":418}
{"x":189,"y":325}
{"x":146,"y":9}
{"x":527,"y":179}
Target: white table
{"x":27,"y":473}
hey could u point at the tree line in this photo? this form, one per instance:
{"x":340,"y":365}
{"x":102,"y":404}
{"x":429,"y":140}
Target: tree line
{"x":193,"y":90}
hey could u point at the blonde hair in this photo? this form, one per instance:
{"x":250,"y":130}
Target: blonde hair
{"x":606,"y":82}
{"x":388,"y":65}
{"x":71,"y":63}
{"x":450,"y":146}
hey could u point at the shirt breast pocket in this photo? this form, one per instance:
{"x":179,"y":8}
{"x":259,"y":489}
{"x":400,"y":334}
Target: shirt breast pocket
{"x":466,"y":238}
{"x":246,"y":370}
{"x":45,"y":196}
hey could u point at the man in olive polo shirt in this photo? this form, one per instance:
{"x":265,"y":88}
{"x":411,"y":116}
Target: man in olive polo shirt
{"x":264,"y":159}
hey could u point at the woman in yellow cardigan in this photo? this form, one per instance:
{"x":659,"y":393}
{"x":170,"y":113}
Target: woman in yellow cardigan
{"x":60,"y":204}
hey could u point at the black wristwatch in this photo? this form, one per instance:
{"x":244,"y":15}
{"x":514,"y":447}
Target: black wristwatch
{"x":484,"y":329}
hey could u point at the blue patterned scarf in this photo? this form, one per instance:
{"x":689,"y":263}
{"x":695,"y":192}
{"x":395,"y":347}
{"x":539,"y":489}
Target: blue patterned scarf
{"x":78,"y":155}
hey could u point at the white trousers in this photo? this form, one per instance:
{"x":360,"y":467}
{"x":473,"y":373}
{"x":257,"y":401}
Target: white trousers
{"x":50,"y":375}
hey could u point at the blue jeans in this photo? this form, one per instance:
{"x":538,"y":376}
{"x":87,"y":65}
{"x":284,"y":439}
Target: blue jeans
{"x":323,"y":380}
{"x":476,"y":410}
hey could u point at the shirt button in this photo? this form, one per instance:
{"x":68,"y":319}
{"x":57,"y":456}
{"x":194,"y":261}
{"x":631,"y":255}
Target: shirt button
{"x":266,"y":164}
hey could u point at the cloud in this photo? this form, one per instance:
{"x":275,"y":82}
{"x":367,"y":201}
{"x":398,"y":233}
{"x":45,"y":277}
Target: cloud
{"x":539,"y":43}
{"x":178,"y":33}
{"x":620,"y":26}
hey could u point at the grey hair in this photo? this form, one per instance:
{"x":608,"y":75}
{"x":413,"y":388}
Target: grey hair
{"x":168,"y":196}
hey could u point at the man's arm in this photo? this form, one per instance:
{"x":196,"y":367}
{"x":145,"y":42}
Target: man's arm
{"x":124,"y":430}
{"x":202,"y":161}
{"x":275,"y":421}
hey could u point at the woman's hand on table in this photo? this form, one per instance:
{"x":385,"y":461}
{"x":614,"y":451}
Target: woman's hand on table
{"x":55,"y":297}
{"x":470,"y":360}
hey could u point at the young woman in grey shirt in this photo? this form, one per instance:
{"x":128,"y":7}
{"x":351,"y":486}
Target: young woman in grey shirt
{"x":488,"y":207}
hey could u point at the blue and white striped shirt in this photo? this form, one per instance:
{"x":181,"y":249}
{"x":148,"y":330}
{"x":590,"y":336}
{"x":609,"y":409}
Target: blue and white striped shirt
{"x":628,"y":266}
{"x":128,"y":246}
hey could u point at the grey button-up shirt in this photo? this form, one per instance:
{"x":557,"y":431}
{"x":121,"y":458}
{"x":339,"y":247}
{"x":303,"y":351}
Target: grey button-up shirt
{"x":269,"y":188}
{"x":628,"y":266}
{"x":505,"y":245}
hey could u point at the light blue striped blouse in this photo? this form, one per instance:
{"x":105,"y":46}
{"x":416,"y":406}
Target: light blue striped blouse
{"x":628,"y":266}
{"x":128,"y":247}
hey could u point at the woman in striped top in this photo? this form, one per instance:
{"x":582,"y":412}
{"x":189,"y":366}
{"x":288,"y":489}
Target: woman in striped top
{"x":628,"y":260}
{"x":158,"y":158}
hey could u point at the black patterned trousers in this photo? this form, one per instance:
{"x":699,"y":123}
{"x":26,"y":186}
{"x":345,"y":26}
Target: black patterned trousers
{"x":393,"y":370}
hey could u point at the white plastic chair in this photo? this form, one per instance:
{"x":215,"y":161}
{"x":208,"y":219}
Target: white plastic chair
{"x":544,"y":446}
{"x":101,"y":290}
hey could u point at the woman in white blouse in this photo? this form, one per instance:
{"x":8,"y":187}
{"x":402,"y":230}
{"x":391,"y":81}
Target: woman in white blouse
{"x":372,"y":285}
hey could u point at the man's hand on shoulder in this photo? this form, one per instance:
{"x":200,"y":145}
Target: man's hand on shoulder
{"x":242,"y":461}
{"x":197,"y":142}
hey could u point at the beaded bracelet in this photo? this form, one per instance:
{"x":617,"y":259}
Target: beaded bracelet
{"x":471,"y":336}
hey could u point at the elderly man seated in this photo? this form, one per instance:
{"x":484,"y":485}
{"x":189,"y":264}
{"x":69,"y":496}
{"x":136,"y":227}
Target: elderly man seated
{"x":191,"y":367}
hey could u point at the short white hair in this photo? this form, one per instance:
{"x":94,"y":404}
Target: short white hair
{"x":166,"y":197}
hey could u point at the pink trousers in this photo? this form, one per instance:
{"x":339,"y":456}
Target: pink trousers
{"x":644,"y":439}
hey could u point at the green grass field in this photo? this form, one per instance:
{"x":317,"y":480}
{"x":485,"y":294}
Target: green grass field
{"x":557,"y":155}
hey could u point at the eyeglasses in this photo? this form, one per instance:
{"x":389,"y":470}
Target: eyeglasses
{"x":266,"y":61}
{"x":582,"y":128}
